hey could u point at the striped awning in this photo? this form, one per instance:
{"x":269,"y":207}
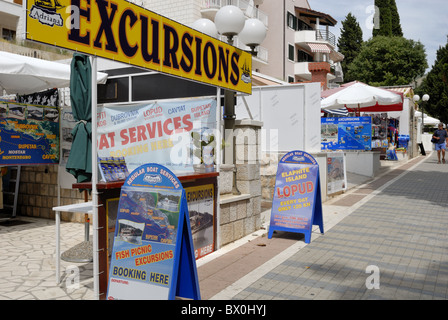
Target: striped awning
{"x":339,"y":112}
{"x":319,"y":47}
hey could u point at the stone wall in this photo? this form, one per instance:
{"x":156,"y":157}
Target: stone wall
{"x":38,"y":194}
{"x":240,"y":215}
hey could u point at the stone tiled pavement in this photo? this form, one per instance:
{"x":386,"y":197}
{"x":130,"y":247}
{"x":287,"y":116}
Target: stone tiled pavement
{"x":402,"y":231}
{"x":397,"y":222}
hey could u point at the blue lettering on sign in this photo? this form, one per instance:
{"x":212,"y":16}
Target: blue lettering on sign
{"x":176,"y":109}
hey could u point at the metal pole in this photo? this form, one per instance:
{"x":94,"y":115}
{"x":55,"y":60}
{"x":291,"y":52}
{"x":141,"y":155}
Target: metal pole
{"x":229,"y":130}
{"x":423,"y":120}
{"x":94,"y":180}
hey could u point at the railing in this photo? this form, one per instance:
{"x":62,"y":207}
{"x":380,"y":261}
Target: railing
{"x":325,"y":35}
{"x":242,"y":4}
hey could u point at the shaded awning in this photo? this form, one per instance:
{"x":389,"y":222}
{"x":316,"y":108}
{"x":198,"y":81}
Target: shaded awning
{"x":324,"y":19}
{"x":336,"y":56}
{"x":339,"y":112}
{"x":259,"y":79}
{"x":319,"y":47}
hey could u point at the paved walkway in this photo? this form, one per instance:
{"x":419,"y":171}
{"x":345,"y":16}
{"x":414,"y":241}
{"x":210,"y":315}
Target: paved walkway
{"x":396,"y":223}
{"x":399,"y":232}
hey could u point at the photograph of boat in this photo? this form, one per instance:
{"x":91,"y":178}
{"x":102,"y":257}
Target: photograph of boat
{"x":16,"y":111}
{"x":168,"y":204}
{"x":130,"y":231}
{"x":51,"y":114}
{"x":201,"y":210}
{"x":35,"y":113}
{"x":3,"y":110}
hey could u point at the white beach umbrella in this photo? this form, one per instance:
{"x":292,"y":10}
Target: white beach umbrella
{"x":23,"y":75}
{"x":360,"y":95}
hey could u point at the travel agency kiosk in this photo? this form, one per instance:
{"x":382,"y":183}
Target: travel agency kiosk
{"x":149,"y":117}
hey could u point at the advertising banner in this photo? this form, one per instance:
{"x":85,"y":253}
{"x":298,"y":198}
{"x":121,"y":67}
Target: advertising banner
{"x":125,"y":32}
{"x":152,"y":240}
{"x":201,"y":208}
{"x":297,"y":203}
{"x":160,"y":131}
{"x":336,"y":172}
{"x":352,"y":133}
{"x":29,"y":134}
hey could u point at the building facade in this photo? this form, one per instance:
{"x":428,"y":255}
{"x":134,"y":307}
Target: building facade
{"x":298,"y":47}
{"x":10,"y":19}
{"x":302,"y":47}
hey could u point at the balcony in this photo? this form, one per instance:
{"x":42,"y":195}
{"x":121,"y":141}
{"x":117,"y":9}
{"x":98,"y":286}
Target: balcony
{"x":210,"y":7}
{"x":303,"y":37}
{"x":301,"y":70}
{"x":319,"y":66}
{"x":305,"y":70}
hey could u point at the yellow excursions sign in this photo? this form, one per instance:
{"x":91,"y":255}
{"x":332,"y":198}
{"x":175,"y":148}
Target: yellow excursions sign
{"x":124,"y":32}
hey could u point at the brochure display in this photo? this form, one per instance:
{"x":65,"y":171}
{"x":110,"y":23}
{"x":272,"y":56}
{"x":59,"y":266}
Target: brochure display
{"x":297,"y":203}
{"x":152,"y":256}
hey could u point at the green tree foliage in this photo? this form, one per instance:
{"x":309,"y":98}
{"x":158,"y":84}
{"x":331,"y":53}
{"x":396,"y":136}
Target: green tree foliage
{"x":396,"y":25}
{"x":350,"y":42}
{"x":388,"y":61}
{"x":385,"y":27}
{"x":436,"y":85}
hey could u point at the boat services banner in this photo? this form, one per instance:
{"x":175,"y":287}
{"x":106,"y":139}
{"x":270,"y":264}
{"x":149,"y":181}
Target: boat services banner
{"x":161,"y":131}
{"x":125,"y":32}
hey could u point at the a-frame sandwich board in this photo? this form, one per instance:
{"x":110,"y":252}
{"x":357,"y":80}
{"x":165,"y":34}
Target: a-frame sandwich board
{"x":153,"y":256}
{"x":297,"y":202}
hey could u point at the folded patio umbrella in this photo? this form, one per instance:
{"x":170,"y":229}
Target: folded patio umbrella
{"x":79,"y":162}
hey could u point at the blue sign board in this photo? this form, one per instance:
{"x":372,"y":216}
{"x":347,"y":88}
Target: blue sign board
{"x":297,"y":203}
{"x":153,"y":255}
{"x":29,"y":134}
{"x":351,"y":133}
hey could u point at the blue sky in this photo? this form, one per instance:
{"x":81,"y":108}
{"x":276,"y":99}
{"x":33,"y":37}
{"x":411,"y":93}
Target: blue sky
{"x":424,"y":21}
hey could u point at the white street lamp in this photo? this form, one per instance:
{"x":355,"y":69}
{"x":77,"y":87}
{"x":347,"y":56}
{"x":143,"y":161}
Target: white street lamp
{"x":425,"y":99}
{"x":229,"y":21}
{"x":253,"y":33}
{"x":206,"y":26}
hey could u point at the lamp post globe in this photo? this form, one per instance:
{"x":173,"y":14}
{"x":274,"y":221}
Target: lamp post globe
{"x":425,"y":97}
{"x":416,"y":97}
{"x":253,"y":33}
{"x":206,"y":26}
{"x":229,"y":21}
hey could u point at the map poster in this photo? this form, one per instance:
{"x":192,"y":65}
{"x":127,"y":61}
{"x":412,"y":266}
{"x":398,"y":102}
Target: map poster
{"x":201,"y":208}
{"x":152,"y":239}
{"x":297,"y":203}
{"x":351,"y":133}
{"x":29,"y":134}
